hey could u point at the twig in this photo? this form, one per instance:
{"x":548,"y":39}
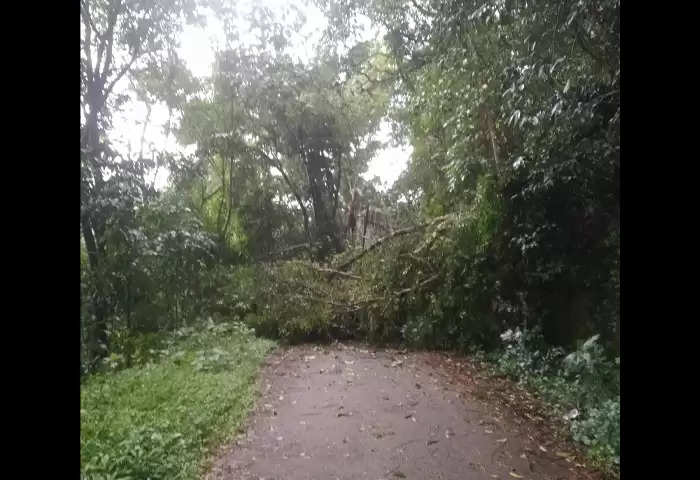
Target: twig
{"x":337,"y":272}
{"x":419,"y":286}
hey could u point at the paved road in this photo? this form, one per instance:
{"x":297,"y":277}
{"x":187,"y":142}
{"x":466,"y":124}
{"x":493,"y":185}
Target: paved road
{"x":344,"y":412}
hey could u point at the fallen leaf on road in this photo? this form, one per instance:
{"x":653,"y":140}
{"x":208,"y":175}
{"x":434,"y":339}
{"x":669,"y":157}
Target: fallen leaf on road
{"x":542,"y":448}
{"x":515,"y":475}
{"x":502,"y":440}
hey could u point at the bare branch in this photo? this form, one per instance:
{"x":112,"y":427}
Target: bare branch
{"x":421,"y":9}
{"x":418,"y":286}
{"x":115,"y":10}
{"x":397,"y":233}
{"x":278,"y":166}
{"x":121,"y":73}
{"x":146,"y":121}
{"x":337,"y":272}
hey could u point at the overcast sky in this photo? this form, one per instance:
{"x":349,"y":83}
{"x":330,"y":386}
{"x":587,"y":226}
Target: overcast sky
{"x":197,"y":47}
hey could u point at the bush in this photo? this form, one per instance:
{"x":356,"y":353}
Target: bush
{"x":583,"y":385}
{"x":600,"y":431}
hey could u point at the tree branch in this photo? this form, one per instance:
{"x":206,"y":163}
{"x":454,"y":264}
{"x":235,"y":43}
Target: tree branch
{"x":418,"y":286}
{"x":88,"y":39}
{"x":278,"y":166}
{"x":121,"y":73}
{"x":337,"y":272}
{"x":397,"y":233}
{"x":421,"y":9}
{"x":115,"y":7}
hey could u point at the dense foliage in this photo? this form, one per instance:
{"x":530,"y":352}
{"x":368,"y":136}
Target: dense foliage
{"x":513,"y":111}
{"x":506,"y":218}
{"x":583,"y":386}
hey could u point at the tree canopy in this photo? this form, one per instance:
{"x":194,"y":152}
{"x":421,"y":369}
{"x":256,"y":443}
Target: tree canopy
{"x":506,"y":217}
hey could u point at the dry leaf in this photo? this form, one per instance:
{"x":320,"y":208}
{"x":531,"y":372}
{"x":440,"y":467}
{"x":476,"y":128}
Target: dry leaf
{"x":515,"y":475}
{"x":542,"y":448}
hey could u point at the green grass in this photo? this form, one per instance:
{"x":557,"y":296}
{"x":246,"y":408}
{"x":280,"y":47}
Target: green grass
{"x":161,"y":420}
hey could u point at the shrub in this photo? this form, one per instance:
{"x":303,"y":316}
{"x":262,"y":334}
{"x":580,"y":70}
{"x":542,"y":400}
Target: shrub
{"x":583,"y":385}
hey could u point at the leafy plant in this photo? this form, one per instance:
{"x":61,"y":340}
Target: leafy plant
{"x":583,"y":386}
{"x":160,"y":419}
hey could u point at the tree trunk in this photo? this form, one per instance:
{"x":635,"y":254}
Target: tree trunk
{"x":326,"y":228}
{"x":364,"y":226}
{"x":99,"y":328}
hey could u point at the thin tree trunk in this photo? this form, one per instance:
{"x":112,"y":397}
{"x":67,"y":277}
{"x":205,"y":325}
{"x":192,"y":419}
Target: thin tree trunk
{"x":364,"y":226}
{"x":230,"y":201}
{"x":278,"y":165}
{"x":494,"y":147}
{"x":98,"y":301}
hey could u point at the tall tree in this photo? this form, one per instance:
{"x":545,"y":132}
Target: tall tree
{"x":118,"y":39}
{"x":311,"y":124}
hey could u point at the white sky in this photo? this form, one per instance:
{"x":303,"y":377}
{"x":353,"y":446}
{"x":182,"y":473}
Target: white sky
{"x":197,"y":48}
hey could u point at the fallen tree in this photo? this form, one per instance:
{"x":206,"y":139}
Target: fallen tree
{"x":404,"y":231}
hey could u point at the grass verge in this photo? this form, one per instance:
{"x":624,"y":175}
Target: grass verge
{"x":162,"y":420}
